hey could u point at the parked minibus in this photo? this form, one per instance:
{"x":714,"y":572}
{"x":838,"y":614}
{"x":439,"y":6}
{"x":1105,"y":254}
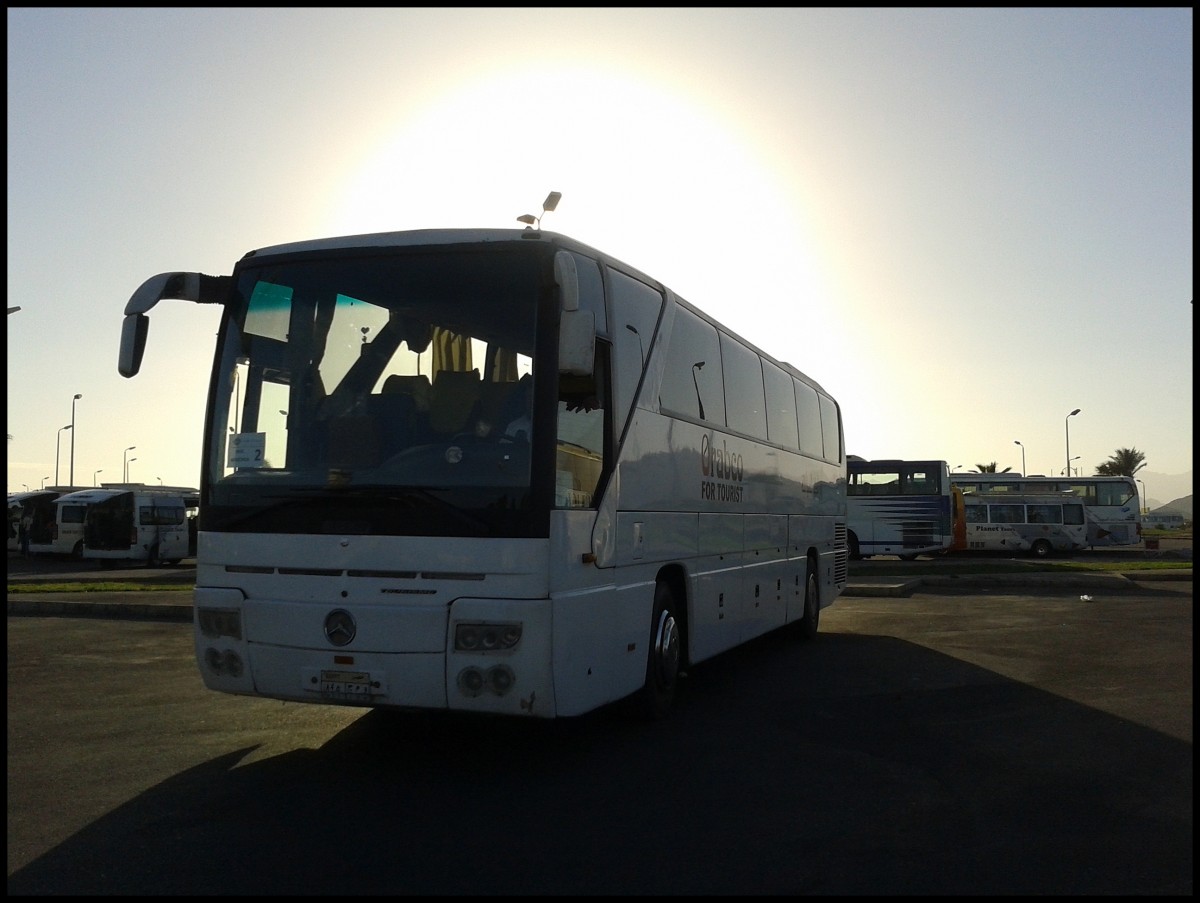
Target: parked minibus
{"x":39,"y":505}
{"x":144,"y":523}
{"x":1037,"y":523}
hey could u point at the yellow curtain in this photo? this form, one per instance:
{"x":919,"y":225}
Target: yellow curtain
{"x":450,"y":351}
{"x":505,"y":366}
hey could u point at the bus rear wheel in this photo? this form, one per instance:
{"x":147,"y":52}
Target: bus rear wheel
{"x":855,"y":551}
{"x":657,"y":694}
{"x":806,"y":627}
{"x":1041,"y":548}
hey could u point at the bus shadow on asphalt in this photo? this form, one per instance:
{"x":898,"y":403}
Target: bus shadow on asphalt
{"x":853,"y":764}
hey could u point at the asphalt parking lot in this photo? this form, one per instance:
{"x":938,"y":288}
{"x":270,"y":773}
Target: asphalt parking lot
{"x":944,"y":743}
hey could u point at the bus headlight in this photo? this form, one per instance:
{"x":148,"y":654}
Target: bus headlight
{"x":500,"y":679}
{"x":483,"y":637}
{"x":470,"y":681}
{"x":228,"y":663}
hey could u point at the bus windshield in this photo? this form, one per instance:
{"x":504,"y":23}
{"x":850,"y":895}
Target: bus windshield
{"x":411,"y":371}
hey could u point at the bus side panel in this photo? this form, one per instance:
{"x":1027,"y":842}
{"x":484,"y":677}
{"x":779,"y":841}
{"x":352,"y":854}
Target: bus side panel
{"x":820,"y":534}
{"x":716,"y":587}
{"x":766,"y":567}
{"x":172,"y":541}
{"x":64,"y":533}
{"x":994,"y":538}
{"x":600,"y":640}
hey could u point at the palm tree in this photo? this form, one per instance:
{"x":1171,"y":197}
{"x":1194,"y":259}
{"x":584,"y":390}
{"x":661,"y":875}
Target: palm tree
{"x":990,"y":468}
{"x":1124,"y":462}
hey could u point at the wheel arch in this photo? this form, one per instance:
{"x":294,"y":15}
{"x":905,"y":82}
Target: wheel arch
{"x":675,"y":577}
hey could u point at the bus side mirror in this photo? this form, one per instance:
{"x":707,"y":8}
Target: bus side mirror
{"x":577,"y":328}
{"x":134,"y":330}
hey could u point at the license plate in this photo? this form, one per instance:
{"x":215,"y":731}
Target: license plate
{"x":344,"y":684}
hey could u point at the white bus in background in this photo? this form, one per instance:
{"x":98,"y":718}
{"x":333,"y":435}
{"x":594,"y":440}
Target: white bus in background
{"x":137,"y":523}
{"x":39,"y":504}
{"x":63,"y":534}
{"x":493,"y":471}
{"x":1037,"y":523}
{"x":896,"y":507}
{"x":1113,"y":505}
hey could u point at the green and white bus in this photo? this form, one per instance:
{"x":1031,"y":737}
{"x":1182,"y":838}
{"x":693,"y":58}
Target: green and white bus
{"x":493,"y":471}
{"x":1113,"y":510}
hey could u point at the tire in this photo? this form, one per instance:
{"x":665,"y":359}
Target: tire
{"x":152,"y":560}
{"x":852,"y":542}
{"x":1041,"y":548}
{"x":77,"y":552}
{"x":908,"y":557}
{"x":806,"y":627}
{"x":654,"y":699}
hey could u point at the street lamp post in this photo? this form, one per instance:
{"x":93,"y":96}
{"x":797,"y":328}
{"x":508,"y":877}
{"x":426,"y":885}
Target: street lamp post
{"x":131,"y":460}
{"x":1067,"y":426}
{"x":125,"y":464}
{"x":57,"y":446}
{"x":44,"y":479}
{"x":1145,"y":498}
{"x":71,"y":478}
{"x":1067,"y":470}
{"x":94,"y":473}
{"x":1018,"y":442}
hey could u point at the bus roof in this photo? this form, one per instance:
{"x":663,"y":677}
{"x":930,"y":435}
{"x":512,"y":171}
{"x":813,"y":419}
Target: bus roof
{"x":413,"y":238}
{"x":432,"y":237}
{"x":88,"y":496}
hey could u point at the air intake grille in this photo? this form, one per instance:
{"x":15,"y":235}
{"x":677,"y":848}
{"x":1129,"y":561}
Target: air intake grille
{"x":841,"y":556}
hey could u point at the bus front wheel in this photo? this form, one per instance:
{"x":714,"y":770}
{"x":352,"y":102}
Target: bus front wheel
{"x":1041,"y":548}
{"x":663,"y":659}
{"x":855,"y":551}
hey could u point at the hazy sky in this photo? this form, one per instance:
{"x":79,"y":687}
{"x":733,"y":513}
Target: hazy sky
{"x":965,"y":224}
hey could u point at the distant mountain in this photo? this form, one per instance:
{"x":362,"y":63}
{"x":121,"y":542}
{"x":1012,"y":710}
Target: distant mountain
{"x":1179,"y":506}
{"x":1164,"y":486}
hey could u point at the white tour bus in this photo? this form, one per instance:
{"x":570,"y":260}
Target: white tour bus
{"x":493,"y":471}
{"x":1039,"y":523}
{"x":895,"y":507}
{"x":1113,"y":508}
{"x":137,"y":523}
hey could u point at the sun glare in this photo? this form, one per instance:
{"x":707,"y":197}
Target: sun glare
{"x":650,"y":176}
